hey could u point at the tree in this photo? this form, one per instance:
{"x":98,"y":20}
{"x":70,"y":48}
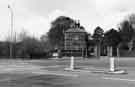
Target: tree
{"x":28,"y":46}
{"x":98,"y":36}
{"x":98,"y":33}
{"x":56,"y":32}
{"x":131,"y":20}
{"x":23,"y":35}
{"x":46,"y":43}
{"x":127,"y":32}
{"x":32,"y":47}
{"x":111,"y":40}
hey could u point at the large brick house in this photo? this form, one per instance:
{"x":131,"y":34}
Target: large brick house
{"x":75,"y":41}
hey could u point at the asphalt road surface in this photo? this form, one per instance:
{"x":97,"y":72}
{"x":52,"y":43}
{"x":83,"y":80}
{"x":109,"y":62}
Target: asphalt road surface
{"x":50,"y":73}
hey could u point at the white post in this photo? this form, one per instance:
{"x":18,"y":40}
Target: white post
{"x":72,"y":63}
{"x":112,"y":66}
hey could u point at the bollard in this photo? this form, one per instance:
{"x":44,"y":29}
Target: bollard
{"x":112,"y":65}
{"x":72,"y":63}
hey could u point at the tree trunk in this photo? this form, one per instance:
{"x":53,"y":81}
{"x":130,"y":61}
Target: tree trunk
{"x":109,"y":51}
{"x":98,"y":51}
{"x":130,"y":45}
{"x":118,"y":52}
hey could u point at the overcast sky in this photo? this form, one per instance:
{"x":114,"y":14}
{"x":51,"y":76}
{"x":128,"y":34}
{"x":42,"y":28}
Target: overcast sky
{"x":35,"y":16}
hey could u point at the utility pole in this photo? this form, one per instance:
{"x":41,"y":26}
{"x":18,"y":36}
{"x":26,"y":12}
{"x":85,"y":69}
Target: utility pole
{"x":11,"y":31}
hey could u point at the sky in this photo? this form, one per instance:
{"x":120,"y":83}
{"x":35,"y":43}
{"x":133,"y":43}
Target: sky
{"x":35,"y":16}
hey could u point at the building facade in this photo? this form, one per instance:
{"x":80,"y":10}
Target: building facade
{"x":75,"y":42}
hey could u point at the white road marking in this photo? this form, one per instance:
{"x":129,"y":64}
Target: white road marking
{"x":6,"y":79}
{"x":109,"y":78}
{"x":51,"y":66}
{"x":46,"y":72}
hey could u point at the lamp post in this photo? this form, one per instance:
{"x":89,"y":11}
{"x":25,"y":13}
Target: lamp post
{"x":11,"y":31}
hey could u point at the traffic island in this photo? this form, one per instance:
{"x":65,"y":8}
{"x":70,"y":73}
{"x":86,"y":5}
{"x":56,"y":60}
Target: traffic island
{"x":117,"y":72}
{"x":113,"y":69}
{"x":72,"y":66}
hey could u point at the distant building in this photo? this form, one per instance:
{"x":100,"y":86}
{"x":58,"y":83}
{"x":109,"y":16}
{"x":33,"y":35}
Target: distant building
{"x":75,"y":41}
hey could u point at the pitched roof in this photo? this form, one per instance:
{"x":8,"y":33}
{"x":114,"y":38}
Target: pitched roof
{"x":77,"y":30}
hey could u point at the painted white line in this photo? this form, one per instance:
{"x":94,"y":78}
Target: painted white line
{"x":6,"y":79}
{"x":46,"y":72}
{"x":109,"y":78}
{"x":51,"y":66}
{"x":67,"y":75}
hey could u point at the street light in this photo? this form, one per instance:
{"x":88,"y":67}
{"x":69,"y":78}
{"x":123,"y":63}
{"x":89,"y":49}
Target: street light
{"x":11,"y":30}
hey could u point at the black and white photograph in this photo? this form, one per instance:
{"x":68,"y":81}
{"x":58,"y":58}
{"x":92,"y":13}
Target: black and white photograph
{"x":67,"y":43}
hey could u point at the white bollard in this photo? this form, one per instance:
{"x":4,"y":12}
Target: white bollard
{"x":112,"y":65}
{"x":72,"y":63}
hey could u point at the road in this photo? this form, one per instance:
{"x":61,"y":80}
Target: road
{"x":50,"y":73}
